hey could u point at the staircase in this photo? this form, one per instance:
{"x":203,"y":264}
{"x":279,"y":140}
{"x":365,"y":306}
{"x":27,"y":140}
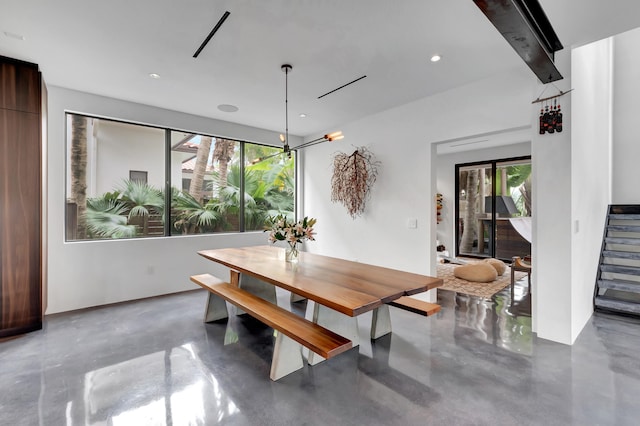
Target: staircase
{"x":618,"y":284}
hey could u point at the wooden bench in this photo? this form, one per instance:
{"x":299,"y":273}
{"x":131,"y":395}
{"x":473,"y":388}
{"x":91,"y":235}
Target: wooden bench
{"x":381,"y":320}
{"x":293,"y":330}
{"x":416,"y":306}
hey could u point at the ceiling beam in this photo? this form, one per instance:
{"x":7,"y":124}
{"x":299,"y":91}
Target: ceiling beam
{"x":527,"y":29}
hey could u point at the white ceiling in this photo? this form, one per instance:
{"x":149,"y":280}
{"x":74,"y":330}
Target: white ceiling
{"x":110,"y":48}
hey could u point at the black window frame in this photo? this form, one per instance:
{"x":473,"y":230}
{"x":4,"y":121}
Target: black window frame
{"x":167,"y":178}
{"x":492,"y":230}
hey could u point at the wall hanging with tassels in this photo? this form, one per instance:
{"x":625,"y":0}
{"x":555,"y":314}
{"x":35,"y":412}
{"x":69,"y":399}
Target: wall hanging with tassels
{"x":550,"y":120}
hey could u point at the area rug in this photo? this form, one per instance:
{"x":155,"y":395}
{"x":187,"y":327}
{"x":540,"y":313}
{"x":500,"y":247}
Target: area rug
{"x":485,"y":290}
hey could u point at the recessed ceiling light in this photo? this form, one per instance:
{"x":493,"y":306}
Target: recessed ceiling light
{"x":14,"y":35}
{"x":436,"y":58}
{"x":227,"y":108}
{"x":154,"y":75}
{"x":303,"y":115}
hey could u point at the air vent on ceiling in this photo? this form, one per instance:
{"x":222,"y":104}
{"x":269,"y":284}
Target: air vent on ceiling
{"x":526,"y":27}
{"x":212,"y":33}
{"x":341,"y":87}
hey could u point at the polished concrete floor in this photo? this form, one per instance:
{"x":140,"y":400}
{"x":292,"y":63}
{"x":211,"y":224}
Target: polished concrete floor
{"x":153,"y":362}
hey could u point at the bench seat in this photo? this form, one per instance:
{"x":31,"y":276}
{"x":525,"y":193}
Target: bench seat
{"x":416,"y":306}
{"x":318,"y":339}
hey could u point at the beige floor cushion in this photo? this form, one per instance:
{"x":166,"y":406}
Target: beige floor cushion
{"x":498,"y":264}
{"x":480,"y":272}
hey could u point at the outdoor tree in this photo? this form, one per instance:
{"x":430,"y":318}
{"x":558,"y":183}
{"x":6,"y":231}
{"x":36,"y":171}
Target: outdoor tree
{"x":268,"y":190}
{"x":143,"y":201}
{"x":199,"y":170}
{"x":470,"y":222}
{"x":519,"y":177}
{"x":79,"y":171}
{"x":223,"y":152}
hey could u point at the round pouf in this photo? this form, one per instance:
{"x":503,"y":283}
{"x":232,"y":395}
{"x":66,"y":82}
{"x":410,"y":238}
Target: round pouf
{"x":498,"y":264}
{"x":478,"y":272}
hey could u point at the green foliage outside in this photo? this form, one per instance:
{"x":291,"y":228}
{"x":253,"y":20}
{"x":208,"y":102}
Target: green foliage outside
{"x":128,"y":211}
{"x":519,"y":184}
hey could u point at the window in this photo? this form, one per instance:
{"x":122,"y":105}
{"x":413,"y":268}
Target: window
{"x":138,"y":176}
{"x":493,"y":208}
{"x":116,"y":174}
{"x":269,"y":182}
{"x":204,"y":165}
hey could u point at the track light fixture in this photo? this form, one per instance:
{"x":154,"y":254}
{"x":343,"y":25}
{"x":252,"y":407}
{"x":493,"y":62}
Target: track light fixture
{"x":330,"y":137}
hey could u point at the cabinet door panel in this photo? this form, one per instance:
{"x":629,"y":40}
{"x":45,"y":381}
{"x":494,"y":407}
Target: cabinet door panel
{"x":20,"y":210}
{"x":19,"y":86}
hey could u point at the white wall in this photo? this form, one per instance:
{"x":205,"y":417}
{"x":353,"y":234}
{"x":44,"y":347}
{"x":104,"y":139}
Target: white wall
{"x":590,"y":170}
{"x":593,"y":160}
{"x":84,"y":274}
{"x":551,"y":248}
{"x":177,"y":174}
{"x":578,"y":172}
{"x":123,"y":147}
{"x":401,"y":139}
{"x":626,"y":113}
{"x":446,"y":182}
{"x":380,"y":236}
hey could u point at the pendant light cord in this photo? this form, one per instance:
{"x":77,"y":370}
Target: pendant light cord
{"x":286,"y":107}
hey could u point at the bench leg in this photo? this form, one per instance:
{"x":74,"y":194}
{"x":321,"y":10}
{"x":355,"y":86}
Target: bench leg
{"x":380,"y":322}
{"x":216,"y":309}
{"x":335,"y":321}
{"x":258,"y":287}
{"x":230,"y":334}
{"x":287,"y":357}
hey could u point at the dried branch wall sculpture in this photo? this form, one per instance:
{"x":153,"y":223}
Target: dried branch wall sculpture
{"x":353,"y":177}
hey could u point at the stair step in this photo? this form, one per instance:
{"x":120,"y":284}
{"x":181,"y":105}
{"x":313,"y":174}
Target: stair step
{"x":625,"y":241}
{"x":620,"y":269}
{"x":625,"y":216}
{"x":617,"y":305}
{"x":623,"y":228}
{"x":620,"y":285}
{"x":621,"y":254}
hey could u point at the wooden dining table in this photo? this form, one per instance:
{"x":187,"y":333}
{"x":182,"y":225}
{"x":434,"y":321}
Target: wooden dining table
{"x":340,"y":288}
{"x":351,"y":288}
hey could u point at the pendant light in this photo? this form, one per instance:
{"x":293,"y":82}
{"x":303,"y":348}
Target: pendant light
{"x":284,"y":138}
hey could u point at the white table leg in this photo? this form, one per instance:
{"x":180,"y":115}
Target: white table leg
{"x":287,"y":357}
{"x":335,"y":321}
{"x":380,"y":322}
{"x":216,"y":309}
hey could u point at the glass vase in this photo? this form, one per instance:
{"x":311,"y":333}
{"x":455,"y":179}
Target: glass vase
{"x":291,"y":253}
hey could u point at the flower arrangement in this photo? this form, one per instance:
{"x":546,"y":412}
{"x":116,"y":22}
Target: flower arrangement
{"x":280,"y":228}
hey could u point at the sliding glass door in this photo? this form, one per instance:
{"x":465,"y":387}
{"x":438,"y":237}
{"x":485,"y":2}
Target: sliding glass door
{"x":493,"y":208}
{"x":474,"y":184}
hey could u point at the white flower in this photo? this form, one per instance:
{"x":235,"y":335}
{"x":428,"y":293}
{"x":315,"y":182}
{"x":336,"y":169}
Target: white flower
{"x":292,"y":232}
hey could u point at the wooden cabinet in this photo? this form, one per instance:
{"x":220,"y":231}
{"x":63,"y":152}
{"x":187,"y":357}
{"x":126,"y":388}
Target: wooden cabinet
{"x":21,"y":197}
